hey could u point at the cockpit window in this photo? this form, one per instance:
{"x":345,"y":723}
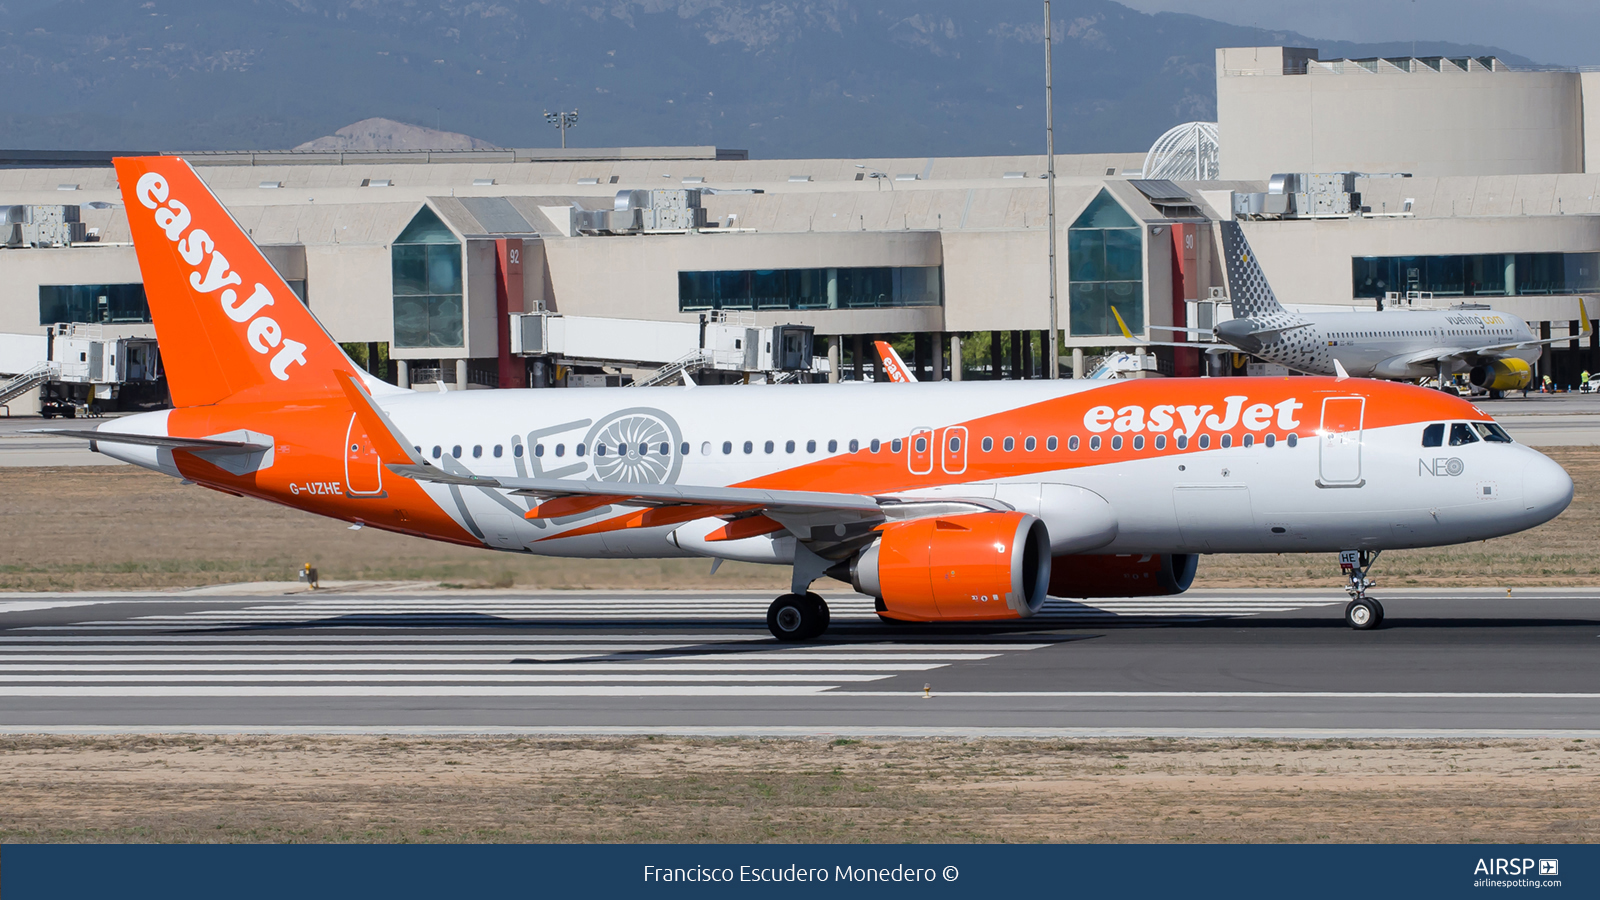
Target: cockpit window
{"x":1491,"y":432}
{"x":1461,"y":433}
{"x":1433,"y":435}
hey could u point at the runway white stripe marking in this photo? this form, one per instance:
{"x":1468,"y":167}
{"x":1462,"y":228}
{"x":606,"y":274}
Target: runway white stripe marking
{"x":698,"y":664}
{"x":1297,"y":695}
{"x":36,"y":663}
{"x":620,"y":690}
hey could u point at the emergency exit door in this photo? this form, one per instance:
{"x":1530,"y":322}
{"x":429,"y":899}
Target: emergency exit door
{"x":363,"y":470}
{"x":1339,"y":442}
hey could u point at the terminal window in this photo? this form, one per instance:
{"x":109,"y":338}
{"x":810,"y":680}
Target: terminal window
{"x":830,"y":288}
{"x":1477,"y":274}
{"x":1105,"y":266}
{"x":427,"y":284}
{"x":102,"y":303}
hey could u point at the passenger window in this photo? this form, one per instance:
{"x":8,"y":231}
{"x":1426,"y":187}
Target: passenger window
{"x":1050,"y":443}
{"x":1270,"y":440}
{"x":705,"y":448}
{"x":578,"y":449}
{"x":497,"y":453}
{"x":1227,"y":441}
{"x":436,"y":451}
{"x":922,"y":445}
{"x":895,"y":445}
{"x":988,"y":444}
{"x":1116,"y":442}
{"x":727,"y":447}
{"x":833,"y":446}
{"x":1293,"y":439}
{"x":1010,"y":444}
{"x":767,"y":446}
{"x":477,"y":451}
{"x":1433,"y":435}
{"x":1072,"y":443}
{"x":788,"y":447}
{"x":1461,"y":434}
{"x":516,"y":450}
{"x":561,"y":450}
{"x":1249,"y":440}
{"x":874,"y":446}
{"x":855,"y":446}
{"x":1491,"y":432}
{"x":811,"y":446}
{"x":1183,"y":442}
{"x":1138,"y":442}
{"x":1094,"y":442}
{"x":1205,"y":441}
{"x":456,"y":451}
{"x":1161,"y":442}
{"x":1030,"y":444}
{"x":749,"y":447}
{"x":599,"y":449}
{"x":955,"y":444}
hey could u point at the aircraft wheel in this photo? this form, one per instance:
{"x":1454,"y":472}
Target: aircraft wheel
{"x":793,"y":617}
{"x":822,"y":607}
{"x":1363,"y":615}
{"x":1379,"y":607}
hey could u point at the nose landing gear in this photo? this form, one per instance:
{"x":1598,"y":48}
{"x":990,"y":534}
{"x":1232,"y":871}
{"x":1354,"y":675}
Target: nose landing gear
{"x":1362,"y":613}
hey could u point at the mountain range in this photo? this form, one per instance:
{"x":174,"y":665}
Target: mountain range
{"x":781,"y":78}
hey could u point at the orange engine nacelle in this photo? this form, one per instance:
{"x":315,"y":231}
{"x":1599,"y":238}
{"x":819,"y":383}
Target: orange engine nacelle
{"x":1123,"y":575}
{"x":957,"y":568}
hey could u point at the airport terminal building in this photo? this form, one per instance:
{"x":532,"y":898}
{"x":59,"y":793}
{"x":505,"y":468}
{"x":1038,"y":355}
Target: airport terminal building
{"x":1358,"y":182}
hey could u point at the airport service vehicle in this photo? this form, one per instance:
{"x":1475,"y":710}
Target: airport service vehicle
{"x":947,"y":502}
{"x":1495,"y":349}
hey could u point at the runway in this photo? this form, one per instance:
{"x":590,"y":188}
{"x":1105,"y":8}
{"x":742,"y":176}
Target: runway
{"x":1250,"y":663}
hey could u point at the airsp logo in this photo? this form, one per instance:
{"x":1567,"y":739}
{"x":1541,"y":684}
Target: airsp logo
{"x":1441,"y":466}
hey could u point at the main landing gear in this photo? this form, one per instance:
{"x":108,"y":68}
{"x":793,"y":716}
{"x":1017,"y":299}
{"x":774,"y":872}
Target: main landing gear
{"x":1362,"y":613}
{"x":797,"y":617}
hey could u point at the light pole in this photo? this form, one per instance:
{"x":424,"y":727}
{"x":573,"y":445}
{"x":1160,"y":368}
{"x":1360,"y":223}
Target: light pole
{"x":563,"y":121}
{"x":1050,"y":183}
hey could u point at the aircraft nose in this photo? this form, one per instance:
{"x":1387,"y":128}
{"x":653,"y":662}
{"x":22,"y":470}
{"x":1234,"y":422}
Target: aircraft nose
{"x":1546,"y":487}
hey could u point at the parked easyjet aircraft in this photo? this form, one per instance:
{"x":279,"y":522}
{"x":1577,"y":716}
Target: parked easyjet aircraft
{"x":947,"y":502}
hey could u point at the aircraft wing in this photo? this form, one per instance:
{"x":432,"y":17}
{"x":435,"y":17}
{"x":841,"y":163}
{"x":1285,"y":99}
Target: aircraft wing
{"x":651,"y":494}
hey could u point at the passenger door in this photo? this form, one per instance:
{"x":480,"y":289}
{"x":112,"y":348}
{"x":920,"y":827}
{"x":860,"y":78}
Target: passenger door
{"x":953,"y":450}
{"x":919,"y":456}
{"x":1339,"y":442}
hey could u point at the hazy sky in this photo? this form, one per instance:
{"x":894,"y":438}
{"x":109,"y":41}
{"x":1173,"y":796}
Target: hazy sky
{"x":1564,"y":32}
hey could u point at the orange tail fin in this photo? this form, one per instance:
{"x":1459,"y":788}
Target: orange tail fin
{"x":228,"y":324}
{"x":892,"y":364}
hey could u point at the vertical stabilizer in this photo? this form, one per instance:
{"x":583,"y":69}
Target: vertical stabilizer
{"x":228,"y":324}
{"x":1252,"y":297}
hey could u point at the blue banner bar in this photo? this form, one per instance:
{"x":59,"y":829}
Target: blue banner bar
{"x":312,"y":872}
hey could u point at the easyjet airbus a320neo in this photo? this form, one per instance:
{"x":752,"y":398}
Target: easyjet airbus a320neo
{"x":947,"y":502}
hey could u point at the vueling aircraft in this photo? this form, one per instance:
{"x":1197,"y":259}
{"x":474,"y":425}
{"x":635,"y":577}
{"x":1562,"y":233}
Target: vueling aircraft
{"x":948,"y":502}
{"x":1495,"y":349}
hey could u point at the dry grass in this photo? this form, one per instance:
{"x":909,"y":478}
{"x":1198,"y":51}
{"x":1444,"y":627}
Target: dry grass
{"x":361,"y":789}
{"x":108,"y":528}
{"x":124,"y":527}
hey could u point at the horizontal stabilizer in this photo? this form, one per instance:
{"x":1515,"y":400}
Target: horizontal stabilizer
{"x":155,"y":440}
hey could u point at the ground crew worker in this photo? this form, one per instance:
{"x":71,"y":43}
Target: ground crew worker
{"x":1548,"y":389}
{"x":1583,"y":378}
